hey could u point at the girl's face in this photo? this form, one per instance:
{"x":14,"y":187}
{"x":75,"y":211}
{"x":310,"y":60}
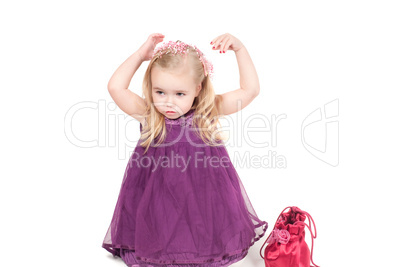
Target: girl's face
{"x":173,"y":91}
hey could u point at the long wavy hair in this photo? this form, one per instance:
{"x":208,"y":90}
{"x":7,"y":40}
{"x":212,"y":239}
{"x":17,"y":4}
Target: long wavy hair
{"x":206,"y":105}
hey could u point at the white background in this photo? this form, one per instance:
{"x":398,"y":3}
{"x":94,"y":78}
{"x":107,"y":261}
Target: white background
{"x":58,"y":194}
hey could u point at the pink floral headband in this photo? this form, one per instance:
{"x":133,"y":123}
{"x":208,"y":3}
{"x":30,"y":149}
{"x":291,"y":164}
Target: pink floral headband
{"x":181,"y":48}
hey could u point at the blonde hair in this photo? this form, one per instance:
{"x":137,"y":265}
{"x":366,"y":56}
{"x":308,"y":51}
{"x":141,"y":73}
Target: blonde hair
{"x":206,"y":105}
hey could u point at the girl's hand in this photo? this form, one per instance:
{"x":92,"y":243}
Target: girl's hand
{"x":147,"y":49}
{"x":226,"y":42}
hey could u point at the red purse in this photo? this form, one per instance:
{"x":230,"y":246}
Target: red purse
{"x":286,"y":244}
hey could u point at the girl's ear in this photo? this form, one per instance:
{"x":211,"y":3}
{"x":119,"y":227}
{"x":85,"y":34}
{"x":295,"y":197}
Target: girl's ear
{"x":199,"y":87}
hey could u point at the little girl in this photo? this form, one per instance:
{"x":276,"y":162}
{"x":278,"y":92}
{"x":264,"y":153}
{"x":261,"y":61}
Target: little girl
{"x":181,"y":202}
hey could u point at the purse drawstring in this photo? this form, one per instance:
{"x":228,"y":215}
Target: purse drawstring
{"x":310,"y":219}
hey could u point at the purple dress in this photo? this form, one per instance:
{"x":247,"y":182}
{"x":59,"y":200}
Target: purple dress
{"x":182,"y":204}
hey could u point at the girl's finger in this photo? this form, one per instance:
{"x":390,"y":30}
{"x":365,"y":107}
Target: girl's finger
{"x":217,"y":41}
{"x":213,"y":41}
{"x":225,"y":44}
{"x":217,"y":44}
{"x":157,"y":35}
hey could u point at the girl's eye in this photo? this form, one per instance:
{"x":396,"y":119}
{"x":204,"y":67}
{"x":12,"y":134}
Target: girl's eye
{"x":160,"y":92}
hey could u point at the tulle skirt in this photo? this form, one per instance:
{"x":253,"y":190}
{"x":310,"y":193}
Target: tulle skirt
{"x":180,"y":210}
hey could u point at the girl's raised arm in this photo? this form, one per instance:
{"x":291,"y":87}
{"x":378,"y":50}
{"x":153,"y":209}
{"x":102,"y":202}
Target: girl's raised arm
{"x":126,"y":100}
{"x":234,"y":101}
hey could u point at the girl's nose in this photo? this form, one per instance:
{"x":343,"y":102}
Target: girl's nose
{"x":169,"y":102}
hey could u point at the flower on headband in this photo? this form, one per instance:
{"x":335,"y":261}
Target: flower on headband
{"x":180,"y":47}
